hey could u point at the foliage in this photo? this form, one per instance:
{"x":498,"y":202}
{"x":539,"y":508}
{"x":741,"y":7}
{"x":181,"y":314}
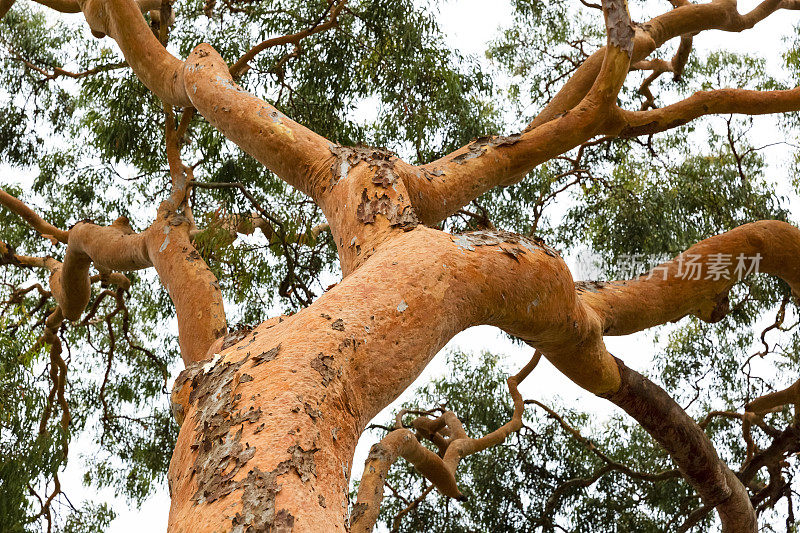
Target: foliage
{"x":93,"y":148}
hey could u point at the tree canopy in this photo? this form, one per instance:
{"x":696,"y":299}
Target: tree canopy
{"x":83,"y":139}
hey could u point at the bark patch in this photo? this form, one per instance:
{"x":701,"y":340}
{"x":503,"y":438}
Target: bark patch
{"x":618,"y":25}
{"x":597,"y":286}
{"x":302,"y":462}
{"x":260,"y":488}
{"x":358,"y":511}
{"x":479,"y":146}
{"x":236,"y":337}
{"x":284,"y":522}
{"x":221,"y":454}
{"x":508,"y":243}
{"x":220,"y":451}
{"x":324,"y":365}
{"x":380,"y":160}
{"x":258,"y":502}
{"x":399,"y":215}
{"x":265,"y":357}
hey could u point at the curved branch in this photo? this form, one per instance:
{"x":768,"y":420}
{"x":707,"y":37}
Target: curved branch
{"x":787,"y":443}
{"x":720,"y":101}
{"x":332,"y":13}
{"x":114,"y":247}
{"x":440,"y":472}
{"x":122,"y":20}
{"x":768,"y":402}
{"x":697,"y":281}
{"x":686,"y":19}
{"x":458,"y":448}
{"x":410,"y":506}
{"x":74,"y":6}
{"x":688,"y":446}
{"x":44,"y":228}
{"x":442,"y":187}
{"x":398,"y":443}
{"x":610,"y":463}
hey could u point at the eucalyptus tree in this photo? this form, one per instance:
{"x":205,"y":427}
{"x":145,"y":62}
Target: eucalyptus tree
{"x":161,"y":149}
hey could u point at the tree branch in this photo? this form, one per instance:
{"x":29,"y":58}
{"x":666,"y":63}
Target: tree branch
{"x":689,"y":447}
{"x":44,"y":228}
{"x":5,"y":6}
{"x":332,"y":13}
{"x":440,"y":472}
{"x":122,"y":20}
{"x":398,"y":443}
{"x":612,"y":464}
{"x":685,"y":19}
{"x":296,"y":154}
{"x":720,"y":101}
{"x":697,"y":281}
{"x":442,"y":187}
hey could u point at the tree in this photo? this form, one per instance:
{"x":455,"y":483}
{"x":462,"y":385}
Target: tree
{"x":270,"y":414}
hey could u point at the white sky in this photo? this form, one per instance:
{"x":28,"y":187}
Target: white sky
{"x":470,"y":24}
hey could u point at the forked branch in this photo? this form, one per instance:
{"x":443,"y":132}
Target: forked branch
{"x":448,"y":434}
{"x":328,"y":20}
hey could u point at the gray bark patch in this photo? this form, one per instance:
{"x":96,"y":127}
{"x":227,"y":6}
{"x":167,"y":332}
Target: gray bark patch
{"x":358,"y":511}
{"x":267,"y":356}
{"x":302,"y":462}
{"x":284,"y":522}
{"x":509,"y":243}
{"x":618,"y":25}
{"x":597,"y":286}
{"x":220,"y":451}
{"x":323,"y":364}
{"x":258,"y":502}
{"x":221,"y":454}
{"x":481,"y":145}
{"x":236,"y":337}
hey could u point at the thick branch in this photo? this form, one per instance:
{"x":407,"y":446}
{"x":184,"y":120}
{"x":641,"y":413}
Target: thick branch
{"x":689,"y":447}
{"x":295,"y":153}
{"x":787,"y":443}
{"x":191,"y":285}
{"x":441,"y":188}
{"x":113,"y":247}
{"x":363,"y":357}
{"x":122,"y":20}
{"x":768,"y":402}
{"x":697,"y":282}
